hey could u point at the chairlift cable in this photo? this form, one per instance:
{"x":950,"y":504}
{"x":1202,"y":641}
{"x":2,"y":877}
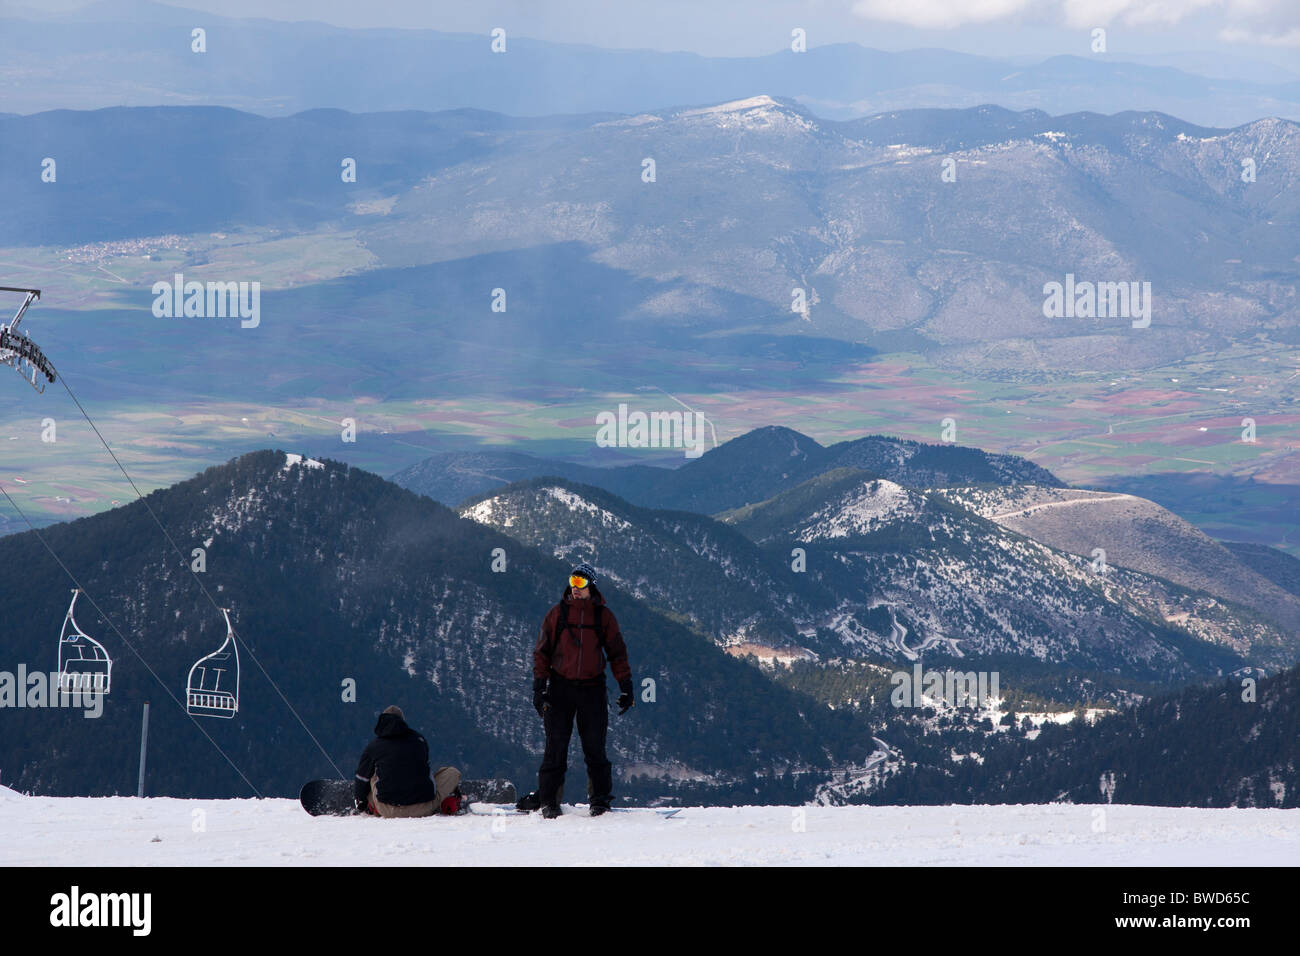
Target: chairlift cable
{"x":122,"y":637}
{"x":194,"y":574}
{"x":19,"y":352}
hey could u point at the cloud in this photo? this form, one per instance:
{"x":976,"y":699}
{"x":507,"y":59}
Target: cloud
{"x":941,"y":14}
{"x":1268,"y":22}
{"x":1094,"y":13}
{"x":1238,"y":35}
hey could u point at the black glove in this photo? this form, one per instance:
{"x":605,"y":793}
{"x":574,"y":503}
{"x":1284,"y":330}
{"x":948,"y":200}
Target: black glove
{"x":625,"y":699}
{"x":541,"y":699}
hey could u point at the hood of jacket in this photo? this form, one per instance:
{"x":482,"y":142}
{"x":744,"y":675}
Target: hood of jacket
{"x":390,"y":725}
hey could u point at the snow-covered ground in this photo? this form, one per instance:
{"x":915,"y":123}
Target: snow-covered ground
{"x":164,"y":831}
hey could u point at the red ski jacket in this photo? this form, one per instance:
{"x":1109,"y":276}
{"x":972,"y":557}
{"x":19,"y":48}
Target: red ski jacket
{"x":576,"y":653}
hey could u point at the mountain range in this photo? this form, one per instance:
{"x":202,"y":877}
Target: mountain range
{"x":455,"y":249}
{"x":333,"y":574}
{"x":747,"y":469}
{"x":881,"y":572}
{"x":854,"y":214}
{"x":1135,"y":533}
{"x":874,"y":495}
{"x":768,"y":671}
{"x":142,"y":56}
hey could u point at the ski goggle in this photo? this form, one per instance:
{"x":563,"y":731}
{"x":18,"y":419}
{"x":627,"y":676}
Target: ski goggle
{"x":577,"y":581}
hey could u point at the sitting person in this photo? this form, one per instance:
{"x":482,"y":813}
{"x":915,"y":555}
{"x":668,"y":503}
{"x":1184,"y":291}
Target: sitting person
{"x":393,"y":774}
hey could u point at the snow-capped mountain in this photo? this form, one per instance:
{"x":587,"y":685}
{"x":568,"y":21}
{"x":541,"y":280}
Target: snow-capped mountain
{"x":335,"y":575}
{"x":751,"y":198}
{"x":746,"y":469}
{"x":690,"y":566}
{"x":1131,"y":532}
{"x":979,"y":588}
{"x":888,"y":573}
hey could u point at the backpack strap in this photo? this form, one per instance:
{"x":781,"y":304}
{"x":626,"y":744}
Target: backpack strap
{"x":562,"y":622}
{"x":600,"y":627}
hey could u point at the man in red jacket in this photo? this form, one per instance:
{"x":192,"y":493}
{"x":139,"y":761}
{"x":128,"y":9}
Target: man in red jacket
{"x":576,"y":638}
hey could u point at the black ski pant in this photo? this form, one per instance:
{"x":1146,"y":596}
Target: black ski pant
{"x":588,"y":703}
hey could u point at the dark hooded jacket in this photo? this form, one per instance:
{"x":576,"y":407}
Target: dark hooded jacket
{"x":401,"y":757}
{"x":576,"y":654}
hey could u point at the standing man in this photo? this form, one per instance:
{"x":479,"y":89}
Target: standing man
{"x":576,"y":638}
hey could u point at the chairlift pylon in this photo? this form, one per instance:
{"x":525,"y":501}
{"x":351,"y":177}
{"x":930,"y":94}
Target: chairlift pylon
{"x":212,"y":688}
{"x":18,"y":351}
{"x":84,"y":665}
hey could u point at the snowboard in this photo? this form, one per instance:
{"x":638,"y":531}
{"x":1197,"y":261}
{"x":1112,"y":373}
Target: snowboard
{"x":666,"y":813}
{"x":334,"y":797}
{"x":582,"y":811}
{"x":328,"y":798}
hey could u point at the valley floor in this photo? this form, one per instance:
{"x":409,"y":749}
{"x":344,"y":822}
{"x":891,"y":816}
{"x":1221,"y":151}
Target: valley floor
{"x":81,"y":831}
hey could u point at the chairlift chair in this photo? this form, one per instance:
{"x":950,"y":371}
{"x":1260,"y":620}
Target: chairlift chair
{"x":212,"y":689}
{"x":84,"y":665}
{"x":18,"y":351}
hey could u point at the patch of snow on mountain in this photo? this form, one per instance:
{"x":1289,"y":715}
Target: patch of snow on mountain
{"x":732,"y":106}
{"x":641,"y":119}
{"x":237,"y":512}
{"x":756,"y":113}
{"x":485,"y":512}
{"x":291,"y":460}
{"x":877,"y":503}
{"x":578,"y":503}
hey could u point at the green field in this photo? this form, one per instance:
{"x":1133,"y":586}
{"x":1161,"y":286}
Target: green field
{"x":402,"y":355}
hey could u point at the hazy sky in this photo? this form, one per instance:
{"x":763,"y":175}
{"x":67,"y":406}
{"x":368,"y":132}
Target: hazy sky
{"x":1242,"y":28}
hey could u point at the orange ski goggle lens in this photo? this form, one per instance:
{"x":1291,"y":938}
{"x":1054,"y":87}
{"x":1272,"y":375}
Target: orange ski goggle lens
{"x":577,"y":581}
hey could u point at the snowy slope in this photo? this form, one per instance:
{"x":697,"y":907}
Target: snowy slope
{"x":125,"y":831}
